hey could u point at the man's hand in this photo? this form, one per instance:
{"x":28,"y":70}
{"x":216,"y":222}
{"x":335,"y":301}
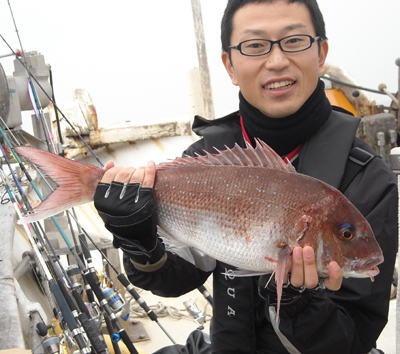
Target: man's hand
{"x":124,"y":200}
{"x":143,"y":175}
{"x":304,"y":270}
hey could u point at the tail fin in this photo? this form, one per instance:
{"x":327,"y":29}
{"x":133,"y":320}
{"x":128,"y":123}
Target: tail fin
{"x":76,"y":182}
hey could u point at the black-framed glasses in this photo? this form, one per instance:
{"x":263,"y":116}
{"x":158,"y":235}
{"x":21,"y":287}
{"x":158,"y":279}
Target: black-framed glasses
{"x":289,"y":44}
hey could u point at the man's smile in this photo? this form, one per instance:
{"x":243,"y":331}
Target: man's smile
{"x":279,"y":85}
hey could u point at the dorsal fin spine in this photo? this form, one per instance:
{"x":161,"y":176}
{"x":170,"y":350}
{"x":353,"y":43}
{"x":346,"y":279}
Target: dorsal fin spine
{"x":261,"y":156}
{"x":226,"y":157}
{"x":236,"y":155}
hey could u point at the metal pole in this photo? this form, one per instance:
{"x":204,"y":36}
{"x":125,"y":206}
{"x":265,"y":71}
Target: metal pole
{"x":203,"y":63}
{"x":394,"y":161}
{"x":398,"y":92}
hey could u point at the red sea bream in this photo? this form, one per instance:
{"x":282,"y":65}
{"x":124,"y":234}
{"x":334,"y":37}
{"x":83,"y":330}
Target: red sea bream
{"x":244,"y":207}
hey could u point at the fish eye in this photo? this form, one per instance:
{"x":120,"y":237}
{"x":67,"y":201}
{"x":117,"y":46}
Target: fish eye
{"x":346,"y":232}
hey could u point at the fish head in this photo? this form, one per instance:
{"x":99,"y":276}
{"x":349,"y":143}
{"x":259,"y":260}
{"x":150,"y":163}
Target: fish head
{"x":342,"y":234}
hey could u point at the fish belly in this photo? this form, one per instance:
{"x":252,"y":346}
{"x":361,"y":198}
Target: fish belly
{"x":238,"y":215}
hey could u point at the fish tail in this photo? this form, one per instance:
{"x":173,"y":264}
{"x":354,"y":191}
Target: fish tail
{"x":76,"y":182}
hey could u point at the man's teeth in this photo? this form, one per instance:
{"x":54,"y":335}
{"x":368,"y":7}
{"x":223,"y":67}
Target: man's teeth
{"x":278,"y":85}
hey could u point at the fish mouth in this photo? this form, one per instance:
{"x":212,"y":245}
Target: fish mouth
{"x":367,"y":267}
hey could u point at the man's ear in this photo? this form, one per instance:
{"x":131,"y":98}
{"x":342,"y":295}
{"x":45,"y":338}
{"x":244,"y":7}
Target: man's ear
{"x":229,"y":67}
{"x":323,"y":53}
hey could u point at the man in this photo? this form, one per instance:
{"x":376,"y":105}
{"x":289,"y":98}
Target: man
{"x":274,"y":51}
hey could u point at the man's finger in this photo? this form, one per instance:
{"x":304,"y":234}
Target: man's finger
{"x":110,"y":174}
{"x":297,"y":272}
{"x":150,"y":175}
{"x":124,"y":175}
{"x":138,"y":176}
{"x":310,"y":268}
{"x":108,"y":165}
{"x":334,"y":282}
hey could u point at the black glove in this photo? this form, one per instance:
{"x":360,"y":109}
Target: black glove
{"x":129,"y":213}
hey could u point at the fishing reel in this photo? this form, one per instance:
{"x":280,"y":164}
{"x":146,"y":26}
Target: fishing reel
{"x":75,"y":276}
{"x":94,"y":312}
{"x":51,"y":343}
{"x":198,"y":315}
{"x":114,"y":299}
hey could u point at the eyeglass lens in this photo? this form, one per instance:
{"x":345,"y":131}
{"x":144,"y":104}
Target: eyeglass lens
{"x":287,"y":44}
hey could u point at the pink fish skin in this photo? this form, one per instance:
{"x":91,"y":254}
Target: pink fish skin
{"x":244,"y":207}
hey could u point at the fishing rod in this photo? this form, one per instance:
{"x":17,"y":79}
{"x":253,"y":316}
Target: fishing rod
{"x":60,"y":137}
{"x":51,"y":100}
{"x":84,"y":317}
{"x":39,"y":194}
{"x":79,"y":310}
{"x":120,"y":276}
{"x":33,"y":93}
{"x":76,"y":330}
{"x":37,"y":108}
{"x":89,"y":274}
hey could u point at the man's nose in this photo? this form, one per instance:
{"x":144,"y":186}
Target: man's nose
{"x":276,"y":59}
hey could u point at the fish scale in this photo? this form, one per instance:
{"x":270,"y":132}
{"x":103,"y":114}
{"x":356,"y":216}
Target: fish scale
{"x":236,"y":212}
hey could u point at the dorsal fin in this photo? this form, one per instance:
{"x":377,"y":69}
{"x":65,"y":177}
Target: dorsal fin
{"x":261,"y":156}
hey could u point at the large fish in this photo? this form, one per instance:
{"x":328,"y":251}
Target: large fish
{"x":244,"y":207}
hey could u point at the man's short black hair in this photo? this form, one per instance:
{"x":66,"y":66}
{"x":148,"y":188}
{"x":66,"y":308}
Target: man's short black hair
{"x":234,"y":5}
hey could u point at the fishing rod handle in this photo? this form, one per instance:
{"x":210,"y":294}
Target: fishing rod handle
{"x":126,"y":283}
{"x":68,"y":317}
{"x":88,"y":324}
{"x":114,"y":337}
{"x":95,"y":337}
{"x":72,"y":306}
{"x":92,"y":331}
{"x":89,"y":292}
{"x":91,"y":278}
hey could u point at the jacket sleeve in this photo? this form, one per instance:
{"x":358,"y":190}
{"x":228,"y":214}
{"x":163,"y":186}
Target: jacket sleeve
{"x":175,"y":278}
{"x":355,"y":315}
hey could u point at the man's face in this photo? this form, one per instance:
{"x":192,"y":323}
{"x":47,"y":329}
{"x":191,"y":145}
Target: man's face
{"x":277,"y":83}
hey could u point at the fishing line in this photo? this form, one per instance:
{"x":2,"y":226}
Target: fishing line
{"x":10,"y":132}
{"x":39,"y":194}
{"x":60,"y":137}
{"x":16,"y":30}
{"x":33,"y":93}
{"x":55,"y":105}
{"x":37,"y":108}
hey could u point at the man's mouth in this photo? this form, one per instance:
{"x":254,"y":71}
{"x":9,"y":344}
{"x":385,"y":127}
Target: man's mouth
{"x":279,"y":85}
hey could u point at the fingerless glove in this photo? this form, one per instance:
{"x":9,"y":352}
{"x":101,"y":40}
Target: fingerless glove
{"x":129,"y":213}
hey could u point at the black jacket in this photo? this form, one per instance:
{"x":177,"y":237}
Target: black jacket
{"x":347,"y":321}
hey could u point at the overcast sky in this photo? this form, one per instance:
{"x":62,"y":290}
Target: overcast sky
{"x":134,"y":57}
